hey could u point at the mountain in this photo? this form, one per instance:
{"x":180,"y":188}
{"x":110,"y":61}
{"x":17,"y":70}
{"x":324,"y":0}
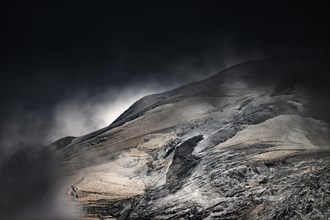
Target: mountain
{"x":250,"y":142}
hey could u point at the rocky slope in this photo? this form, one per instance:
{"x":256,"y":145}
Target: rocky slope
{"x":250,"y":142}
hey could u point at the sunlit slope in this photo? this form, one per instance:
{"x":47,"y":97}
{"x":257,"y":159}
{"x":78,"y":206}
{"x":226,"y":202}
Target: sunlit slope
{"x":241,"y":144}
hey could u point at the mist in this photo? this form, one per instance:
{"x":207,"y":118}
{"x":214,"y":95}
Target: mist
{"x":85,"y":113}
{"x":89,"y":106}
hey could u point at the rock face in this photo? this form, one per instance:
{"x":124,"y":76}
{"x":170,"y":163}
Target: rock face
{"x":246,"y":143}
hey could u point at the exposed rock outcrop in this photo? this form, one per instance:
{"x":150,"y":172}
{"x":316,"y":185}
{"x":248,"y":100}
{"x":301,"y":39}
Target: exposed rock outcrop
{"x":242,"y":144}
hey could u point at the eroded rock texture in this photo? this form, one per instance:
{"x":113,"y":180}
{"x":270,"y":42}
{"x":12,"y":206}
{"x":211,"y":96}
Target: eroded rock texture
{"x":238,"y":145}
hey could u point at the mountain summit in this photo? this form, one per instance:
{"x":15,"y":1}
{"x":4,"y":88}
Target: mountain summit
{"x":250,"y":142}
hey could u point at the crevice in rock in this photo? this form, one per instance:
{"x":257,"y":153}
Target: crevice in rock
{"x":182,"y":164}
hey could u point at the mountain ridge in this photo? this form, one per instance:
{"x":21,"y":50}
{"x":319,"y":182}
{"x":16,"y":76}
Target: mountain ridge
{"x":240,"y":144}
{"x":130,"y":114}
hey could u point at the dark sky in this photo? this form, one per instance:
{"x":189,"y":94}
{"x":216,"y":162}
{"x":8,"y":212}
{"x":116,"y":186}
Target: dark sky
{"x":54,"y":51}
